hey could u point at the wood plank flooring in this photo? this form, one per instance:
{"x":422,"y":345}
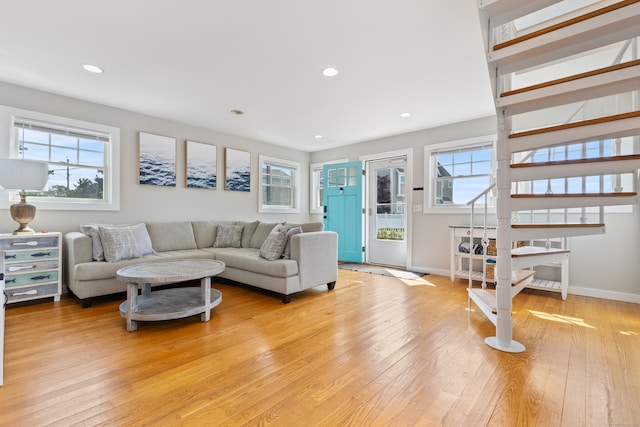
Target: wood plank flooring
{"x":376,"y":351}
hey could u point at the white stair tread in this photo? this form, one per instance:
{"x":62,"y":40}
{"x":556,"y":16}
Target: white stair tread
{"x":535,"y":251}
{"x":485,"y":298}
{"x":598,"y":28}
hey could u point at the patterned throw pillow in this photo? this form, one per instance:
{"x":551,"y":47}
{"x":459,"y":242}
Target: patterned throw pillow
{"x":286,"y":254}
{"x":228,"y":236}
{"x":273,"y":246}
{"x":140,"y":234}
{"x":119,"y":243}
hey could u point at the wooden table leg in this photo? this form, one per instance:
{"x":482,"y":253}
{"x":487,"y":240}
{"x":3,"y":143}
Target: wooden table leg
{"x":205,"y":286}
{"x":132,"y":305}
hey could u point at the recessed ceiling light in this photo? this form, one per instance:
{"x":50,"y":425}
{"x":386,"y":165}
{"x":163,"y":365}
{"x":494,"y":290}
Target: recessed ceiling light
{"x":237,"y":112}
{"x":93,"y":68}
{"x":330,"y":72}
{"x":405,"y":115}
{"x":318,"y":136}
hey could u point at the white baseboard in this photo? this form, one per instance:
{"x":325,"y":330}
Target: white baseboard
{"x":436,"y":271}
{"x":604,"y":294}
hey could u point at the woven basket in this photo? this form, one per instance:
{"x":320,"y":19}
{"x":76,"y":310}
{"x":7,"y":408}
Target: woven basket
{"x":491,"y":271}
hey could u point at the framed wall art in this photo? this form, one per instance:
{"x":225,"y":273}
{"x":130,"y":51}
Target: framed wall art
{"x":157,"y":159}
{"x":238,"y":170}
{"x":201,"y":165}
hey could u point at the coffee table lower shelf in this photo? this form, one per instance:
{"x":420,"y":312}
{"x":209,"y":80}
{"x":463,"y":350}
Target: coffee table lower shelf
{"x":170,"y":304}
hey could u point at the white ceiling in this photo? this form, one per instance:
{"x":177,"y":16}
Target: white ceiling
{"x":193,"y":61}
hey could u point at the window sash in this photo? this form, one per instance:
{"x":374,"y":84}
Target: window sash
{"x":279,"y":183}
{"x":83,"y":180}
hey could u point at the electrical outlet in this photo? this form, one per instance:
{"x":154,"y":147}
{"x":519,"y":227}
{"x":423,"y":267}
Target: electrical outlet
{"x":417,"y":208}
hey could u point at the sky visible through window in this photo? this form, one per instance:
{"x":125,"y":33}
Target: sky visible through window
{"x":70,"y":158}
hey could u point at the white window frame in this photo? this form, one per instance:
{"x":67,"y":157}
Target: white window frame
{"x":264,"y":208}
{"x":430,"y":171}
{"x":10,"y":149}
{"x":315,"y":204}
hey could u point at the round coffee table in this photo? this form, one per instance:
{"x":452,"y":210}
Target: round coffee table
{"x":173,"y":303}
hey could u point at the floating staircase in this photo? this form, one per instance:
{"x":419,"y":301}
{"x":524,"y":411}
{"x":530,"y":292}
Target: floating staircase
{"x":568,"y":132}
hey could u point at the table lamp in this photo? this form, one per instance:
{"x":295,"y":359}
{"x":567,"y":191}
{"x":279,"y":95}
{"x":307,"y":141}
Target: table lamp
{"x":19,"y":174}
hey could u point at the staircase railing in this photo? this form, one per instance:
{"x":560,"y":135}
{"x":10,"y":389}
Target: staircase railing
{"x":484,"y":194}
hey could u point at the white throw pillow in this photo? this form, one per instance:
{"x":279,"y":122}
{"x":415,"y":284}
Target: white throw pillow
{"x":91,"y":230}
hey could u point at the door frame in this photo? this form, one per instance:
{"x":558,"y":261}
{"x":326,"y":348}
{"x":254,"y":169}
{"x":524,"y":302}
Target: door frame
{"x":408,"y":182}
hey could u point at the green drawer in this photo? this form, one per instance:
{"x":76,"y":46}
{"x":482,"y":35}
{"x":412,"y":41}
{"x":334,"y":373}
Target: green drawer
{"x":30,"y":255}
{"x":30,"y":278}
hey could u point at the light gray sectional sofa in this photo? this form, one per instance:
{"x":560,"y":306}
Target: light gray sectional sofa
{"x":312,"y":259}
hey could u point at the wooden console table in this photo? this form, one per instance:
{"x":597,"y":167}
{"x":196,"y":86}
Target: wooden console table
{"x":173,"y":303}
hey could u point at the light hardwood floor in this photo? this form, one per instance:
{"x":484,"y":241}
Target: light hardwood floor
{"x":376,"y":351}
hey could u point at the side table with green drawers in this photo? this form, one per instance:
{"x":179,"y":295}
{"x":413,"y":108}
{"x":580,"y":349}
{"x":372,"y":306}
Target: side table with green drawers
{"x":32,"y":266}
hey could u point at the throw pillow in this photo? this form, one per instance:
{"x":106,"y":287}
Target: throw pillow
{"x":140,"y":233}
{"x":91,"y":230}
{"x":119,"y":243}
{"x":273,"y":246}
{"x":142,"y":239}
{"x":286,"y":254}
{"x":228,"y":236}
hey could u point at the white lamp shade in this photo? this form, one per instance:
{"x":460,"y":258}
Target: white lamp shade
{"x":18,"y":174}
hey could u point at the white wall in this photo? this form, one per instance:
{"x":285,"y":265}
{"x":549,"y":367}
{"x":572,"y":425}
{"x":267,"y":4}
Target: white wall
{"x":147,"y":202}
{"x":605,"y":266}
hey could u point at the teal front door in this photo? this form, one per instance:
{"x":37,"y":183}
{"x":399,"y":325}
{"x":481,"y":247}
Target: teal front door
{"x":343,"y":204}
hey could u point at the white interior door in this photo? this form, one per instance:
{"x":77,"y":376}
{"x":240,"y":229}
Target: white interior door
{"x":387,"y":210}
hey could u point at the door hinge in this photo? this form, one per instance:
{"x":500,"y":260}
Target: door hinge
{"x":363,"y":249}
{"x":364,"y":211}
{"x":362,"y":172}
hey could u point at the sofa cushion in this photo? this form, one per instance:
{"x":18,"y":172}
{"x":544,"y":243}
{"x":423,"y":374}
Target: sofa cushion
{"x":273,"y":246}
{"x":120,"y":243}
{"x":260,"y":235}
{"x":308,"y":227}
{"x":248,"y":228}
{"x":171,"y":236}
{"x":107,"y":270}
{"x":228,"y":236}
{"x":249,"y":259}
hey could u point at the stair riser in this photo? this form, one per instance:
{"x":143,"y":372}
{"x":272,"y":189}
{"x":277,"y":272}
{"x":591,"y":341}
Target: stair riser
{"x":503,"y":11}
{"x":484,"y":307}
{"x":532,"y":261}
{"x":570,"y":202}
{"x":566,"y":171}
{"x":621,"y":24}
{"x":547,"y":233}
{"x":596,"y":132}
{"x":618,"y":81}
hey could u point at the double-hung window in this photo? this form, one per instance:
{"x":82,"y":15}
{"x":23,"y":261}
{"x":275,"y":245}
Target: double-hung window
{"x":316,"y":185}
{"x":83,"y":170}
{"x":457,"y":171}
{"x":279,"y":185}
